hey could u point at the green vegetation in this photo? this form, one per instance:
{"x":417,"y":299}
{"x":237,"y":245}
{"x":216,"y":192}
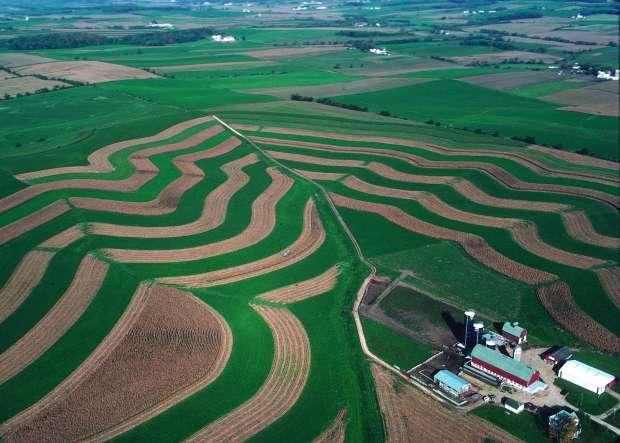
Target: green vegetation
{"x":586,"y":400}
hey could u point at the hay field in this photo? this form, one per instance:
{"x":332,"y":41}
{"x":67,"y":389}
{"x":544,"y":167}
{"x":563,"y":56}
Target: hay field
{"x":85,"y":71}
{"x":12,"y":86}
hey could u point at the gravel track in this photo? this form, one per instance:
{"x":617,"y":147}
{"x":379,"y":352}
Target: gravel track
{"x":310,"y":240}
{"x":475,"y":246}
{"x":281,"y":389}
{"x":174,"y":346}
{"x":558,"y":301}
{"x":261,"y":225}
{"x":85,"y":285}
{"x":213,"y":213}
{"x":305,"y":289}
{"x":99,"y":160}
{"x":33,"y":220}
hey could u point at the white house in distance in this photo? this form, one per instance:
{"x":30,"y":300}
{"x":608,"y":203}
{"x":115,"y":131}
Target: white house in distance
{"x":223,"y":39}
{"x":378,"y":51}
{"x":586,"y":376}
{"x":161,"y":25}
{"x":607,"y":75}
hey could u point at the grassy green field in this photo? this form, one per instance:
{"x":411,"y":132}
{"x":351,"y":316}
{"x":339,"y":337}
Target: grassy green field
{"x":586,"y":400}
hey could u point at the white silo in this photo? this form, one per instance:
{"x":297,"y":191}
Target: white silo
{"x":517,"y":353}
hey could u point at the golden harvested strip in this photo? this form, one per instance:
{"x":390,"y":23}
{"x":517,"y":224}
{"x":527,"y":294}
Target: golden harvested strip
{"x":310,"y":240}
{"x":413,"y":416}
{"x":168,"y":199}
{"x":578,"y":226}
{"x":262,"y":223}
{"x":213,"y":212}
{"x":524,"y":160}
{"x":281,"y":389}
{"x":99,"y":160}
{"x":494,"y":171}
{"x":85,"y":285}
{"x":610,"y":279}
{"x":24,"y":279}
{"x":32,"y":221}
{"x":336,"y":432}
{"x":145,"y":171}
{"x":558,"y":301}
{"x":171,"y":346}
{"x":65,"y":238}
{"x":315,"y":175}
{"x":305,"y":289}
{"x":526,"y":235}
{"x":475,"y":246}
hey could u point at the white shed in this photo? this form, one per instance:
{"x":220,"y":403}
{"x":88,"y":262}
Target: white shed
{"x":586,"y":376}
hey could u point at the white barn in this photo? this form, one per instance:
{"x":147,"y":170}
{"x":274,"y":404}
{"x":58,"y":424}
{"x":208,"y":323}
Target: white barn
{"x":586,"y":376}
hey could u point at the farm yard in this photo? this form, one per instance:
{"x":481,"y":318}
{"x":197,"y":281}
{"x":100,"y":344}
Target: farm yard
{"x":189,"y":226}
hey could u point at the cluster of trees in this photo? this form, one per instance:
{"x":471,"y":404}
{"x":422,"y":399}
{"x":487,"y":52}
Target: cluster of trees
{"x":503,"y":17}
{"x":482,"y":40}
{"x":62,"y":40}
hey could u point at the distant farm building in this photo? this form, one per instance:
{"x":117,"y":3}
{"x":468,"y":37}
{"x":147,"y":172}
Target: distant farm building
{"x":556,"y":354}
{"x":451,"y":383}
{"x":378,"y":51}
{"x":223,"y":39}
{"x":564,"y":426}
{"x":514,"y":333}
{"x":606,"y":75}
{"x":586,"y":376}
{"x":513,"y":406}
{"x":510,"y":371}
{"x":161,"y":25}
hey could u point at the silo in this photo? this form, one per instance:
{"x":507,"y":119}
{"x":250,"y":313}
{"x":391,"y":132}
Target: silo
{"x":479,"y":328}
{"x":469,"y":337}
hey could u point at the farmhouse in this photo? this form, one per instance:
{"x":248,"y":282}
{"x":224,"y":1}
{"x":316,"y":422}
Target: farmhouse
{"x":586,"y":376}
{"x":606,"y":75}
{"x":451,"y":383}
{"x":514,"y":333}
{"x":510,"y":371}
{"x":513,"y":406}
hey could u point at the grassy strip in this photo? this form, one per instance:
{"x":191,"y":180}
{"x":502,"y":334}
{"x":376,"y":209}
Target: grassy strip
{"x":586,"y":400}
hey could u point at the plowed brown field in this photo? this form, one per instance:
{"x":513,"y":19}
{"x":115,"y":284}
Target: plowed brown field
{"x":213,"y":212}
{"x":610,"y":279}
{"x":32,"y":221}
{"x":310,"y":240}
{"x":24,"y":279}
{"x":281,"y":389}
{"x":578,"y":226}
{"x":305,"y":289}
{"x":177,"y":344}
{"x":559,"y":302}
{"x":261,"y":225}
{"x":336,"y":432}
{"x":413,"y":416}
{"x":316,"y":175}
{"x":473,"y":245}
{"x":99,"y":160}
{"x":65,"y":238}
{"x":85,"y":285}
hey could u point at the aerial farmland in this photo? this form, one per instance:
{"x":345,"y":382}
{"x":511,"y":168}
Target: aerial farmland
{"x":309,"y":221}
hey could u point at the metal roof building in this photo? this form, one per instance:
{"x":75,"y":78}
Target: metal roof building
{"x":514,"y":332}
{"x":451,"y":382}
{"x":512,"y":371}
{"x":586,"y":376}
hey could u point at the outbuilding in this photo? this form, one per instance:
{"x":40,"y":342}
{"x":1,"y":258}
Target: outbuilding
{"x":514,"y":333}
{"x":513,"y":405}
{"x":451,"y":383}
{"x":586,"y":376}
{"x":557,"y":354}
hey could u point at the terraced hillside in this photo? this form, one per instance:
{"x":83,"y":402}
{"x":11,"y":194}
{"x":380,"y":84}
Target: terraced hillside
{"x":181,"y":285}
{"x":198,"y":283}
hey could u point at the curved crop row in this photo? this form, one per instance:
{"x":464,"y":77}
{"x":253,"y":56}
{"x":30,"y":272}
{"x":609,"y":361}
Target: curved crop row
{"x":610,"y":279}
{"x":305,"y":289}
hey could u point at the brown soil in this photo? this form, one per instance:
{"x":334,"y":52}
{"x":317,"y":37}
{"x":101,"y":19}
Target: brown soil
{"x":26,"y":84}
{"x":64,"y":239}
{"x":589,"y":100}
{"x":316,"y":175}
{"x":337,"y":430}
{"x":472,"y":244}
{"x":24,"y":279}
{"x":578,"y":225}
{"x":86,"y":71}
{"x":212,"y":216}
{"x":413,"y":416}
{"x":174,"y":344}
{"x":293,"y":52}
{"x":15,"y":59}
{"x":281,"y":389}
{"x":301,"y":158}
{"x":85,"y":285}
{"x":558,"y":301}
{"x":510,"y":80}
{"x":99,"y":160}
{"x":525,"y":160}
{"x":305,"y":289}
{"x":168,"y":200}
{"x":610,"y":279}
{"x":498,"y":57}
{"x":262,"y":223}
{"x":145,"y":171}
{"x":310,"y":240}
{"x":494,"y":171}
{"x":32,"y":221}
